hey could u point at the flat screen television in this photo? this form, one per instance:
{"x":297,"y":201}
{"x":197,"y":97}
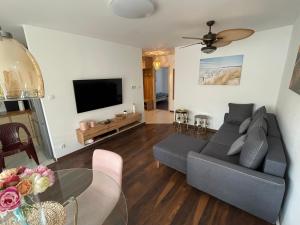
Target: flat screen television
{"x":96,"y":94}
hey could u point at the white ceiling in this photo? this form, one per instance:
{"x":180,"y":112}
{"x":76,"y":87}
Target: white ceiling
{"x":172,"y":19}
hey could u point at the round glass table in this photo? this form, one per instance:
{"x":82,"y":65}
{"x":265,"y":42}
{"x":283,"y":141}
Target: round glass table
{"x":80,"y":197}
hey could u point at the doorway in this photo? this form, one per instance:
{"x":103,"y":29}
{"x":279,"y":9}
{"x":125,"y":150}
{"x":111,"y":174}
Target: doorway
{"x":158,"y":80}
{"x":30,"y":114}
{"x":162,"y":88}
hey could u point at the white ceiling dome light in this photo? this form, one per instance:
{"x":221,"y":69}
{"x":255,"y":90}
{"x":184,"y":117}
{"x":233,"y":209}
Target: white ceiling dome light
{"x":132,"y":8}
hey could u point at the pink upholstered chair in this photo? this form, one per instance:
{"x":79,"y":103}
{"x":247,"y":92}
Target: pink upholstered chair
{"x":109,"y":163}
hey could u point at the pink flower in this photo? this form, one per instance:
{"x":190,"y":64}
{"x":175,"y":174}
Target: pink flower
{"x":40,"y":169}
{"x":27,"y":172}
{"x":11,"y":181}
{"x":9,"y":199}
{"x":1,"y":185}
{"x":50,"y":174}
{"x":45,"y":172}
{"x":41,"y":178}
{"x":21,"y":170}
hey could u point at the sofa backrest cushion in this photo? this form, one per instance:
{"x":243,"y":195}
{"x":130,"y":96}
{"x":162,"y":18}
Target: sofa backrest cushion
{"x":254,"y":149}
{"x":239,"y":112}
{"x":273,"y":129}
{"x":275,"y":162}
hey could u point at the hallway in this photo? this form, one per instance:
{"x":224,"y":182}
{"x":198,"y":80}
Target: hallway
{"x":159,"y":117}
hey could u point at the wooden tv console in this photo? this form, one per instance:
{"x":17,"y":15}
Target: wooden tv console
{"x":116,"y":125}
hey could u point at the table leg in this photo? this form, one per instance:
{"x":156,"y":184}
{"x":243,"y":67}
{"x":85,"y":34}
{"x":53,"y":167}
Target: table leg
{"x":73,"y":199}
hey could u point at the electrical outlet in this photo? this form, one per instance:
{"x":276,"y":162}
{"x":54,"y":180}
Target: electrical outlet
{"x":62,"y":146}
{"x":51,"y":97}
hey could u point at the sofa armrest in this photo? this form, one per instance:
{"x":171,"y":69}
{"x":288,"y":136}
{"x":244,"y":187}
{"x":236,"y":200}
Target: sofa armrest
{"x":255,"y":192}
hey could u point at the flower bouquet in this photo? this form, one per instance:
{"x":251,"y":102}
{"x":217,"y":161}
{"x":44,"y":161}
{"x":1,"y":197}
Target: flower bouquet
{"x":17,"y":186}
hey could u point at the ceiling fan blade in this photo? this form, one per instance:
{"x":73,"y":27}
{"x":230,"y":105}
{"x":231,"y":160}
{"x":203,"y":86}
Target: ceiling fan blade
{"x":193,"y":38}
{"x":234,"y":34}
{"x":190,"y":45}
{"x":221,"y":43}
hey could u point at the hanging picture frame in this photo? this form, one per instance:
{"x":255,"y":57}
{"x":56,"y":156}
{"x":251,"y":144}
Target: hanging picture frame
{"x":221,"y":70}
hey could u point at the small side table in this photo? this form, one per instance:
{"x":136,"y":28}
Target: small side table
{"x":181,"y":118}
{"x":201,"y":123}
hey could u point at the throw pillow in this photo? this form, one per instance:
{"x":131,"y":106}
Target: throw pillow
{"x":239,"y":112}
{"x":260,"y":123}
{"x":244,"y":125}
{"x":259,"y":113}
{"x":237,"y":145}
{"x":254,"y":149}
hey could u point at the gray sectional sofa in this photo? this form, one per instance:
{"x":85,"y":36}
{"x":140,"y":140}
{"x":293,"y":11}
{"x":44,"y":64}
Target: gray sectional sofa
{"x":209,"y":168}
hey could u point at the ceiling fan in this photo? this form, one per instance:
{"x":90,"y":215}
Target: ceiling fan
{"x":212,"y":41}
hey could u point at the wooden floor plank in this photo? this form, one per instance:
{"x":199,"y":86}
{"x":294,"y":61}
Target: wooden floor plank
{"x":201,"y":206}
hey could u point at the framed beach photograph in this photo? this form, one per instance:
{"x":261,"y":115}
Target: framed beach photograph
{"x":221,"y":70}
{"x":295,"y":81}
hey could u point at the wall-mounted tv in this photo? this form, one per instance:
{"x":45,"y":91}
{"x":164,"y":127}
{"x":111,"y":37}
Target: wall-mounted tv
{"x":96,"y":94}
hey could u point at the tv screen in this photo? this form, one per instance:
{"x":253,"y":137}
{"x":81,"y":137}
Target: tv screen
{"x":96,"y":94}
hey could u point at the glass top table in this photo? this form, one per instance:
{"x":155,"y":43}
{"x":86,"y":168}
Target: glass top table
{"x":79,"y":197}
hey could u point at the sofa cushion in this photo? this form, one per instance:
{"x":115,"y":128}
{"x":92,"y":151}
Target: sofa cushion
{"x":273,"y":129}
{"x":230,"y":127}
{"x":219,"y":151}
{"x":275,"y":161}
{"x":173,"y":150}
{"x":239,"y":112}
{"x":237,"y":146}
{"x":225,"y":136}
{"x":254,"y":149}
{"x":259,"y":123}
{"x":244,"y":125}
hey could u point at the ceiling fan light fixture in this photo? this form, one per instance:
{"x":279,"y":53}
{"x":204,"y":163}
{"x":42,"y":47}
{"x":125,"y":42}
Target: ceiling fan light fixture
{"x":213,"y":41}
{"x":208,"y":49}
{"x":132,"y":9}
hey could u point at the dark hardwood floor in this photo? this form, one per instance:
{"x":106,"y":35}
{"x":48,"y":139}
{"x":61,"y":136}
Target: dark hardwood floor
{"x":159,"y":196}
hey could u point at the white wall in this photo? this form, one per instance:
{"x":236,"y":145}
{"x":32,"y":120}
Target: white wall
{"x":162,"y":78}
{"x":288,"y":114}
{"x":64,"y":57}
{"x":264,"y":58}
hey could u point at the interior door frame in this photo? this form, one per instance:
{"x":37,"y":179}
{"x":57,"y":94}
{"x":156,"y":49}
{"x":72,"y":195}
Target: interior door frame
{"x":168,"y":79}
{"x":154,"y":89}
{"x":38,"y":108}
